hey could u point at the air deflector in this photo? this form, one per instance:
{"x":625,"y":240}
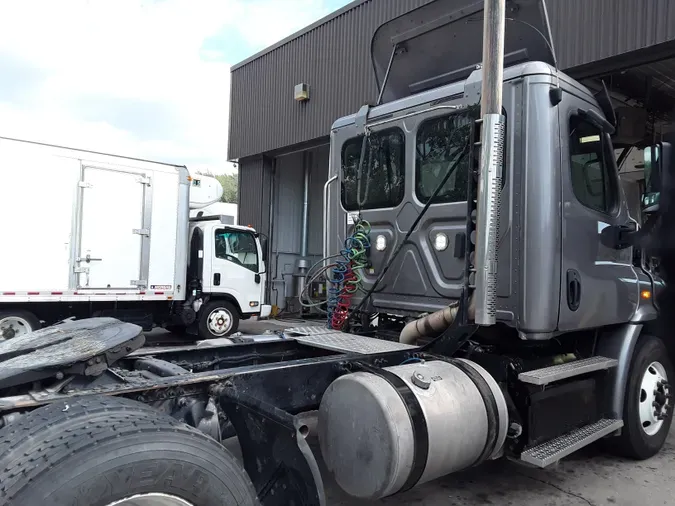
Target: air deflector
{"x":441,"y":42}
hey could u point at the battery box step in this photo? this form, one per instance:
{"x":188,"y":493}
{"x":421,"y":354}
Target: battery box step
{"x":552,"y":451}
{"x":568,"y":370}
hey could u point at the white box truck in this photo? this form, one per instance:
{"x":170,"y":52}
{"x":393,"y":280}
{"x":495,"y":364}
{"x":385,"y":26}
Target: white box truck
{"x":88,"y":234}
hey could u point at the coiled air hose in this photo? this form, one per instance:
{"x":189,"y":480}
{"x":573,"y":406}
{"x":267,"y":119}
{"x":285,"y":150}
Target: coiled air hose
{"x":346,"y":276}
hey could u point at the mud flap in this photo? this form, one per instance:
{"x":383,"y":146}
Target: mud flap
{"x":276,"y":455}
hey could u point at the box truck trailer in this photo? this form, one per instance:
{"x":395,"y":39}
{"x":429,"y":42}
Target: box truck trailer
{"x":90,"y":234}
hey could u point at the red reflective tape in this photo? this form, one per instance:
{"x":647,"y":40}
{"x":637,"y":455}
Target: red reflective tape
{"x":9,"y":293}
{"x":159,"y":293}
{"x":141,"y":293}
{"x":33,"y":293}
{"x":57,"y":293}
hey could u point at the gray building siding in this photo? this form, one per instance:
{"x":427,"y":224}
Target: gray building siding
{"x":334,"y":59}
{"x":255,"y":187}
{"x":586,"y":31}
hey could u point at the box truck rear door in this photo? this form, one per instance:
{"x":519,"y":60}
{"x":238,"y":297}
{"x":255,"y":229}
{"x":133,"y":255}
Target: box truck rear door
{"x":111,"y":229}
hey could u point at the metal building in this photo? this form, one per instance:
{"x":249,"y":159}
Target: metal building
{"x":281,"y":144}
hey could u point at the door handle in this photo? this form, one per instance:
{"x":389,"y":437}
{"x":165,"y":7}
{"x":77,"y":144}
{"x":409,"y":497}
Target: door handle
{"x":89,"y":259}
{"x":326,"y":215}
{"x":216,"y":279}
{"x":573,"y":289}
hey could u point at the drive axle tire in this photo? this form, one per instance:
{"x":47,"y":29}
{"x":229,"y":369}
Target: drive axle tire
{"x":101,"y":451}
{"x":217,"y":318}
{"x":647,"y":395}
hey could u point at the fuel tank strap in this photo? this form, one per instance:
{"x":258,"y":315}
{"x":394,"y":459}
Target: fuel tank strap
{"x":490,"y":405}
{"x":417,"y":419}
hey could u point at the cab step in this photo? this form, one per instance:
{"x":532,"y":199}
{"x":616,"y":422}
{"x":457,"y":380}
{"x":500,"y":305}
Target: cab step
{"x":570,"y":369}
{"x":552,"y":451}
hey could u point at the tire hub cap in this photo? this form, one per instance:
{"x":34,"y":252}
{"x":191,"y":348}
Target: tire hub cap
{"x":12,"y":327}
{"x":220,"y":321}
{"x":152,"y":500}
{"x":655,"y":398}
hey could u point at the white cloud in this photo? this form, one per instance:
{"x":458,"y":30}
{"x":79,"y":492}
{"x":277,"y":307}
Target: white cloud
{"x":130,"y":76}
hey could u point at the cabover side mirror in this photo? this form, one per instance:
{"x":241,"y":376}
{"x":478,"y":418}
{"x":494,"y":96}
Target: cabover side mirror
{"x":263,"y":246}
{"x":658,"y":174}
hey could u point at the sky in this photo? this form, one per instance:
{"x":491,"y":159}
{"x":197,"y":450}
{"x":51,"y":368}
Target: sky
{"x":140,"y":78}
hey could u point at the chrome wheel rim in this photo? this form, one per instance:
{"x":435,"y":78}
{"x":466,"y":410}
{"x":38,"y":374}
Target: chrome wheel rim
{"x":220,"y":322}
{"x":153,"y":499}
{"x":654,"y":398}
{"x":13,"y":326}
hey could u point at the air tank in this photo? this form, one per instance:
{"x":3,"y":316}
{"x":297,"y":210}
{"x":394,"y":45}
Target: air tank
{"x":384,"y":432}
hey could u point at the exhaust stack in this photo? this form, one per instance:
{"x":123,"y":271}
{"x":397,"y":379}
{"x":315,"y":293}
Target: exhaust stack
{"x":492,"y":155}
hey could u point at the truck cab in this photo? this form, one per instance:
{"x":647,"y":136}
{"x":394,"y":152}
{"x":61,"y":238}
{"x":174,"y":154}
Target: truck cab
{"x":559,"y":187}
{"x":226,"y":268}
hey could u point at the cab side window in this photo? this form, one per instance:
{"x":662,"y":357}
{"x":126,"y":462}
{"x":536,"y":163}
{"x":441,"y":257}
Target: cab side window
{"x":237,"y":247}
{"x":592,"y":170}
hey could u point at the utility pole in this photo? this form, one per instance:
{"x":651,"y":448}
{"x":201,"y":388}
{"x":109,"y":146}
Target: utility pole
{"x":491,"y":161}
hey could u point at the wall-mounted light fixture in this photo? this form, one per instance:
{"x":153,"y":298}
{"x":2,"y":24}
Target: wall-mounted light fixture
{"x":301,"y":92}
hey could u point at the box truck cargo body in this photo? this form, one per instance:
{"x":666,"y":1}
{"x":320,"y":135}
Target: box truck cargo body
{"x":84,"y":233}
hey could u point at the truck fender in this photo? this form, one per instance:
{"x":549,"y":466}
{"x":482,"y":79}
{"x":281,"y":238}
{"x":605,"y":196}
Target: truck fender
{"x":223,"y":296}
{"x":618,"y":343}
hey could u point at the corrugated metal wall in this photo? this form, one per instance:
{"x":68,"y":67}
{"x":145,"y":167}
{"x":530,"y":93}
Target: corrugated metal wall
{"x":334,"y":59}
{"x":585,"y":31}
{"x":255,"y":186}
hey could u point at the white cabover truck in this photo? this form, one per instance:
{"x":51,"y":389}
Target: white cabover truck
{"x":85,"y":234}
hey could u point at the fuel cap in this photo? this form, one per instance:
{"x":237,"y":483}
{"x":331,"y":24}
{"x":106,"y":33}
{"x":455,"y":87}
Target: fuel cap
{"x":420,"y":380}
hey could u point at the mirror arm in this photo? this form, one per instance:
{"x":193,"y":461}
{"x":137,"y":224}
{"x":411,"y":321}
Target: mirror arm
{"x":623,"y":236}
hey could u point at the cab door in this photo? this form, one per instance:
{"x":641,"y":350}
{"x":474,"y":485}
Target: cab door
{"x":599,"y":284}
{"x":234,"y":267}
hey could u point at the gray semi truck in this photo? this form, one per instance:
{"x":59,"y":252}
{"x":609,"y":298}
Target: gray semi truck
{"x":509,"y":227}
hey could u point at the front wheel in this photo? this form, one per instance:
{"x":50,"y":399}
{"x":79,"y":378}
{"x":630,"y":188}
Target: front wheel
{"x":217,"y":318}
{"x":648,"y":405}
{"x":105,"y":451}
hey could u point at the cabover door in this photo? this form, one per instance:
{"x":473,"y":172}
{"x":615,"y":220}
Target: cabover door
{"x":599,"y":284}
{"x":405,"y":161}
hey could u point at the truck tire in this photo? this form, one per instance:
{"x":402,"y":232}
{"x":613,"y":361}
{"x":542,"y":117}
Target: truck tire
{"x":643,"y":435}
{"x":101,"y":451}
{"x":218,"y":318}
{"x":14,"y":323}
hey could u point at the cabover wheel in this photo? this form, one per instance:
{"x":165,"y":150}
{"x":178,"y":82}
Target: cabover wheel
{"x":106,"y":451}
{"x":217,"y":318}
{"x":17,"y":323}
{"x":648,"y":406}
